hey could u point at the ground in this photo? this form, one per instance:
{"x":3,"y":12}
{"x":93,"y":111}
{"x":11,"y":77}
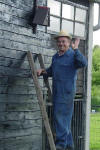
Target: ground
{"x":95,"y":131}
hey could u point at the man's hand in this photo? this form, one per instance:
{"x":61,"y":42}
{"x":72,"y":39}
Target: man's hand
{"x":75,"y":44}
{"x":40,"y":71}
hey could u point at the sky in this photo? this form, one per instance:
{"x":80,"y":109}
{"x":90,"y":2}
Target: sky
{"x":96,"y":34}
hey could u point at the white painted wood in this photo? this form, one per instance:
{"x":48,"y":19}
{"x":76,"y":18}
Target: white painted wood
{"x":89,"y":77}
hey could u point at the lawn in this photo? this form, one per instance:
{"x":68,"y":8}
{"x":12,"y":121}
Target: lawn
{"x":95,"y":131}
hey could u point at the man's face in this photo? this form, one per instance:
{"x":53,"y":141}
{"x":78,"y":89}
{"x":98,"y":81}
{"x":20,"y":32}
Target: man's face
{"x":63,"y":43}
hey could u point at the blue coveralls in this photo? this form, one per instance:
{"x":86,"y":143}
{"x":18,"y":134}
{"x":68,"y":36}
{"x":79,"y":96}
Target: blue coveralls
{"x":63,"y":71}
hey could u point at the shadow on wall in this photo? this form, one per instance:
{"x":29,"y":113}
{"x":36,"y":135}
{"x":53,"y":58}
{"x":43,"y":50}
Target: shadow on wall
{"x":10,"y":68}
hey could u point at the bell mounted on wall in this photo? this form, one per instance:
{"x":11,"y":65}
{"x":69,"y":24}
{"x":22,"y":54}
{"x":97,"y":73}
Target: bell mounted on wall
{"x":41,"y":16}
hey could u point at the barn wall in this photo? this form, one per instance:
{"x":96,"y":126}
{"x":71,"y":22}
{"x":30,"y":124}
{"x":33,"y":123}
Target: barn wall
{"x":20,"y":117}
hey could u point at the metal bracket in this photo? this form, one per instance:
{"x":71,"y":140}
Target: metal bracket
{"x":41,"y":16}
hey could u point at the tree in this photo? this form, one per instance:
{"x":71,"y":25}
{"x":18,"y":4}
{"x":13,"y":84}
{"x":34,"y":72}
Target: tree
{"x":96,"y":76}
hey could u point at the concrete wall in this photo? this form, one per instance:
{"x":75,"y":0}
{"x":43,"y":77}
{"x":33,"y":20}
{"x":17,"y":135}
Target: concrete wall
{"x":20,"y":117}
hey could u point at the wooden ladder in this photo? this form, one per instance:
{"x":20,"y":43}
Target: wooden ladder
{"x":40,"y":97}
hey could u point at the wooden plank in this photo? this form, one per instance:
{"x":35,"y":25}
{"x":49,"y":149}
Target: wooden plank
{"x":21,"y":124}
{"x":7,"y":26}
{"x":16,"y":55}
{"x":19,"y":82}
{"x":19,"y":107}
{"x":19,"y":141}
{"x":41,"y":101}
{"x":13,"y":45}
{"x":12,"y":10}
{"x":22,"y":5}
{"x":18,"y":116}
{"x":45,"y":80}
{"x":25,"y":39}
{"x":14,"y":20}
{"x":16,"y":133}
{"x":13,"y":72}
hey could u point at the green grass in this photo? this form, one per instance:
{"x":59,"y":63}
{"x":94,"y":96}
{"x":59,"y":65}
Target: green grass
{"x":95,"y":131}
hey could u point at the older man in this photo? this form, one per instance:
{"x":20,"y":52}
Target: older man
{"x":63,"y":71}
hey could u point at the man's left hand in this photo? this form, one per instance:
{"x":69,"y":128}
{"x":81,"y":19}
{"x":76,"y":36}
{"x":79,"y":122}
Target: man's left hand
{"x":75,"y":44}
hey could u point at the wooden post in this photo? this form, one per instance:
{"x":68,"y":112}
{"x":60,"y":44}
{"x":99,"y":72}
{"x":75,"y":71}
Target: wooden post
{"x":89,"y":77}
{"x":40,"y":100}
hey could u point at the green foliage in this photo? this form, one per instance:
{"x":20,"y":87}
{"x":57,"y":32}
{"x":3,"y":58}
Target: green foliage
{"x":96,"y":76}
{"x":95,"y":131}
{"x":96,"y":58}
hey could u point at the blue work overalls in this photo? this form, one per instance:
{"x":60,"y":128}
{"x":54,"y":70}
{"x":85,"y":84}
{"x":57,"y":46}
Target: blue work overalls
{"x":63,"y":71}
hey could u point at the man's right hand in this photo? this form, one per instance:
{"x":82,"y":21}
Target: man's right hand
{"x":40,"y":71}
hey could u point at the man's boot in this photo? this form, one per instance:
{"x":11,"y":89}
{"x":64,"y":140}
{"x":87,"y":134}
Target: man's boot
{"x":69,"y":148}
{"x":59,"y":148}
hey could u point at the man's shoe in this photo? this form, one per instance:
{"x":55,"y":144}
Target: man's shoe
{"x":69,"y":148}
{"x":59,"y":148}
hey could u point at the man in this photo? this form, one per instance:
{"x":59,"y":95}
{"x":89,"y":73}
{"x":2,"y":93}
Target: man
{"x":63,"y":71}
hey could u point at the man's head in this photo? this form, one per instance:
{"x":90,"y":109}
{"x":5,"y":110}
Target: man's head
{"x":63,"y":43}
{"x":63,"y":40}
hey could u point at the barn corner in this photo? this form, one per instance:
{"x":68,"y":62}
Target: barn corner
{"x":21,"y":125}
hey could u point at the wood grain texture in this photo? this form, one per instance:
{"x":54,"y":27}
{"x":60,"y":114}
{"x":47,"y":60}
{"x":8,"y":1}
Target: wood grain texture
{"x":20,"y":116}
{"x":41,"y":101}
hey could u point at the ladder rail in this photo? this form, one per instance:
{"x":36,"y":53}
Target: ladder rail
{"x":45,"y":80}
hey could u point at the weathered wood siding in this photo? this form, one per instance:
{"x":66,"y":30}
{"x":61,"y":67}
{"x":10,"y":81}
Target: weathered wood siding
{"x":20,"y":117}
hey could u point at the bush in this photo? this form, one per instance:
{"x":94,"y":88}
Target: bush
{"x":96,"y":77}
